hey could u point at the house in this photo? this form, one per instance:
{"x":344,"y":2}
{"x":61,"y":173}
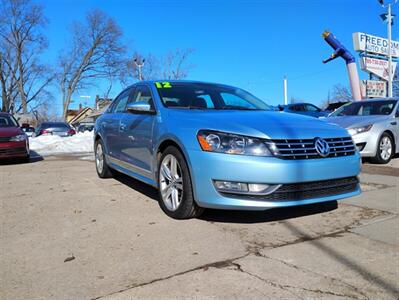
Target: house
{"x":75,"y":116}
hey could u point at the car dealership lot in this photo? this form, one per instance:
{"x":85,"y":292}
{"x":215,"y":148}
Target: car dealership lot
{"x":66,"y":234}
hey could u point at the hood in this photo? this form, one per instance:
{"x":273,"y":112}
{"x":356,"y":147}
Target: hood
{"x":355,"y":121}
{"x":262,"y":124}
{"x":10,"y":131}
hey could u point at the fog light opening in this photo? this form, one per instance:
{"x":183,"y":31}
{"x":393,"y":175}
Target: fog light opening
{"x":360,"y":146}
{"x":258,"y":187}
{"x":234,"y":187}
{"x":231,"y":186}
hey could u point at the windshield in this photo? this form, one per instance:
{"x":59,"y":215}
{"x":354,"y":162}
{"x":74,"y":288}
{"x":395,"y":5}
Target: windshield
{"x":366,"y":108}
{"x":207,"y":96}
{"x":7,"y":121}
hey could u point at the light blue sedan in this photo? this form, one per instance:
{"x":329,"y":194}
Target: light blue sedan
{"x":215,"y":146}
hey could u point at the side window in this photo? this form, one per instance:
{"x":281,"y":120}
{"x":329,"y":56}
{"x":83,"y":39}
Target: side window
{"x":297,"y":107}
{"x":143,"y":94}
{"x":120,"y":106}
{"x":311,"y":108}
{"x":113,"y":106}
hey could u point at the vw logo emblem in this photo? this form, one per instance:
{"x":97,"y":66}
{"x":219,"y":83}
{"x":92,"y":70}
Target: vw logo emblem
{"x":322,"y":147}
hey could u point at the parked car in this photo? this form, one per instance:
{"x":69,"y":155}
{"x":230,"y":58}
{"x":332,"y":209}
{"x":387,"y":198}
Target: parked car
{"x":215,"y":146}
{"x":307,"y":109}
{"x":55,"y":128}
{"x":85,"y":127}
{"x":374,"y":126}
{"x":333,"y":106}
{"x":14,"y":143}
{"x":29,"y":131}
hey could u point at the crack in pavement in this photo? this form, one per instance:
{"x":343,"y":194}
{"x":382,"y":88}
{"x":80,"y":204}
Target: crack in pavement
{"x":218,"y":265}
{"x":254,"y":248}
{"x":302,"y":269}
{"x":289,"y":287}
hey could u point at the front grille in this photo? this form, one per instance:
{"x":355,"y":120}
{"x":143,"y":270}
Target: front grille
{"x":305,"y":148}
{"x":306,"y":190}
{"x":4,"y":139}
{"x":18,"y":150}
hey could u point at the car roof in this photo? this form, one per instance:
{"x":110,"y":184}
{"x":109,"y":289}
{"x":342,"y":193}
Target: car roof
{"x":377,"y":99}
{"x":2,"y":113}
{"x":152,"y":82}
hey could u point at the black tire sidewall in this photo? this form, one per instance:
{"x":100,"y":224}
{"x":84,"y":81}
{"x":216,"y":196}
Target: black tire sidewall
{"x":106,"y":172}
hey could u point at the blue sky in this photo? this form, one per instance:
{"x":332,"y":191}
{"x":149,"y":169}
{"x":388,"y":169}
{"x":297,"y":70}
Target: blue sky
{"x":250,"y":44}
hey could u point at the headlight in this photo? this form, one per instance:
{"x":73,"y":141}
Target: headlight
{"x":221,"y":142}
{"x":356,"y":130}
{"x":18,"y":138}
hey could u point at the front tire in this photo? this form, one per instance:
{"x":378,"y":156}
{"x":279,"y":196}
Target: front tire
{"x":103,"y":170}
{"x":176,"y":197}
{"x":385,"y":149}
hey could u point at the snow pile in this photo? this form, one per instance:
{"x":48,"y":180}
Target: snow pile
{"x":45,"y":145}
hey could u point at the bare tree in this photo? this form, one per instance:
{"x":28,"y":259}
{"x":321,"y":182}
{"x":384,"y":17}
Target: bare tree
{"x":341,"y":93}
{"x":149,"y":71}
{"x":22,"y":41}
{"x":175,"y":64}
{"x":95,"y":49}
{"x":9,"y":86}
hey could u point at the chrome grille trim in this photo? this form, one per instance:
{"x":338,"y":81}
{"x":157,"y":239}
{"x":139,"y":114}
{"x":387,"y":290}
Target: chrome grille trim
{"x":305,"y":148}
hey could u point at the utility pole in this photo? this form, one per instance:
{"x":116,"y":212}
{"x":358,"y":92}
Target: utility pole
{"x":389,"y":17}
{"x":139,"y":66}
{"x":285,"y":90}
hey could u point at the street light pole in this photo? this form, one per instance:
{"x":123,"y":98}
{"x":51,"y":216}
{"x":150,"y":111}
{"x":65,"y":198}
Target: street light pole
{"x":285,"y":90}
{"x":139,"y":67}
{"x":390,"y":87}
{"x":389,"y":17}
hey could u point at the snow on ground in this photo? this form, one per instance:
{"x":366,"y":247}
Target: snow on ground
{"x":46,"y":145}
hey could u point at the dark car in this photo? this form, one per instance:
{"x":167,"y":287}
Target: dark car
{"x":55,"y":128}
{"x":85,"y":127}
{"x":14,"y":143}
{"x":29,"y":131}
{"x":307,"y":109}
{"x":333,"y":106}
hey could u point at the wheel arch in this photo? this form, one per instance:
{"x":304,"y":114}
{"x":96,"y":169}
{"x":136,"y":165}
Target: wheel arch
{"x":390,"y":133}
{"x":170,"y":141}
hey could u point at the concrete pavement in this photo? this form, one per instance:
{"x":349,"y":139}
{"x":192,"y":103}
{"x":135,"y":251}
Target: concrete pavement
{"x":66,"y":234}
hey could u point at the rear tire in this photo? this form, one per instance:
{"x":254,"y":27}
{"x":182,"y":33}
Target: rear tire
{"x":102,"y":168}
{"x":385,"y":149}
{"x":176,"y":197}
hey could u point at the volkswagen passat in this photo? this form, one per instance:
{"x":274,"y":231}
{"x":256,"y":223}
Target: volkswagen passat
{"x":216,"y":146}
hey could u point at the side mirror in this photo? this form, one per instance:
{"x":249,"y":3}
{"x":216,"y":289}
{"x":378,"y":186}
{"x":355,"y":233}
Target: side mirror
{"x":140,"y":107}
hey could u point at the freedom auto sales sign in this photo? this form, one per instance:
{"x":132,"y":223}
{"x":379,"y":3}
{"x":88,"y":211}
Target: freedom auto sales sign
{"x":368,"y":43}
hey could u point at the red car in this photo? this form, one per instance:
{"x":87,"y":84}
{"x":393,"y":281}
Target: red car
{"x":14,"y":143}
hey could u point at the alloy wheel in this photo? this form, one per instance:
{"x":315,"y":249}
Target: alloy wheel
{"x":385,"y":148}
{"x":171,"y":182}
{"x":99,"y":158}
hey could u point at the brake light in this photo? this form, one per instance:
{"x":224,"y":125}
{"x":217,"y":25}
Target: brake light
{"x":71,"y":131}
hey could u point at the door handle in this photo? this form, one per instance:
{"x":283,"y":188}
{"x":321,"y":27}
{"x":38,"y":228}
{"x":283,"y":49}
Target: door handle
{"x":393,"y":123}
{"x":122,"y":127}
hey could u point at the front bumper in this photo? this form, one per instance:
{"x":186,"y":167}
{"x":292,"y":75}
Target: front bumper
{"x":14,"y":149}
{"x":369,"y":140}
{"x":206,"y":167}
